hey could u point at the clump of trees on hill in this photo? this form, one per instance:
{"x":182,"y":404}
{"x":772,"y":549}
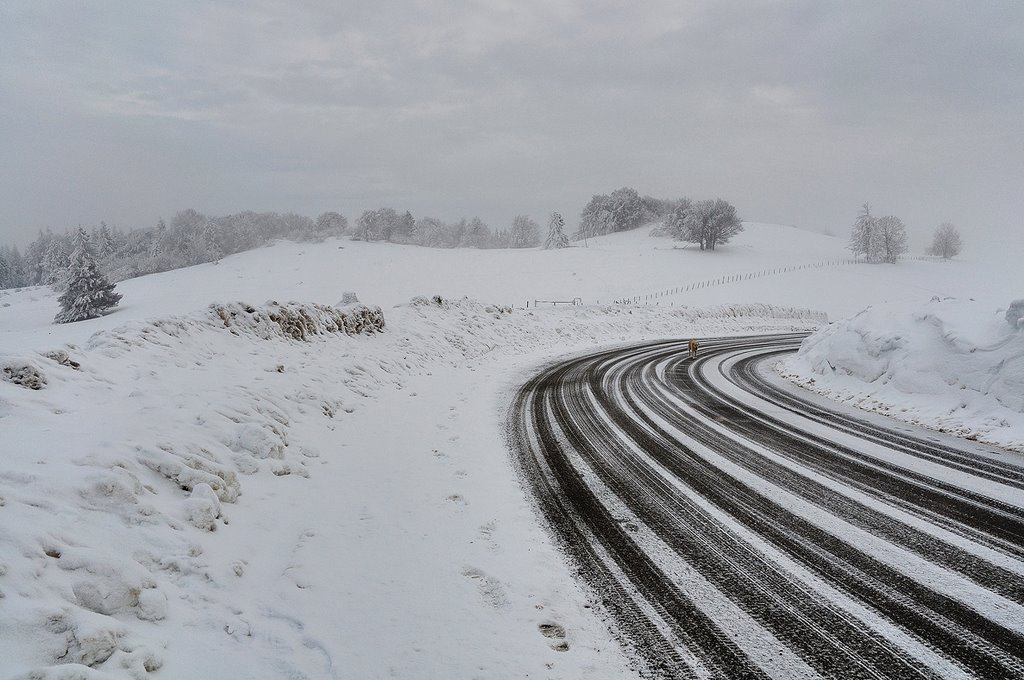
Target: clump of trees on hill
{"x":621,"y":210}
{"x":707,"y":223}
{"x":878,"y":239}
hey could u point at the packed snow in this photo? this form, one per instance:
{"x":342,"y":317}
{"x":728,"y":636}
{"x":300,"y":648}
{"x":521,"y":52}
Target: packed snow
{"x":204,"y":484}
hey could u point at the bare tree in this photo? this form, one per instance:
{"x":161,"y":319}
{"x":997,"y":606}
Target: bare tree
{"x":946,"y":242}
{"x":891,"y":239}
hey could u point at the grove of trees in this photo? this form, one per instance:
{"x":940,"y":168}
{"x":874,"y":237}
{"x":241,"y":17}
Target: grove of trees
{"x":622,"y":210}
{"x":878,"y":239}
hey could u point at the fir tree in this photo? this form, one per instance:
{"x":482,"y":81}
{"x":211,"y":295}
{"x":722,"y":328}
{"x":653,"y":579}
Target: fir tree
{"x":556,"y":235}
{"x":88,"y":292}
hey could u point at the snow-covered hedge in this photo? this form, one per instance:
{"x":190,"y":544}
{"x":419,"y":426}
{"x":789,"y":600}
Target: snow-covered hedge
{"x":299,"y":321}
{"x":950,"y":364}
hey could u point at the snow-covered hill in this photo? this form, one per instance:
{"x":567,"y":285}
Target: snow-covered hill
{"x":208,"y":495}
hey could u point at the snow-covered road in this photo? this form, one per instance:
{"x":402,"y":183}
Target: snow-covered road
{"x":733,"y":527}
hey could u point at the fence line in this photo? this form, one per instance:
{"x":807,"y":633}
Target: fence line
{"x":732,"y":278}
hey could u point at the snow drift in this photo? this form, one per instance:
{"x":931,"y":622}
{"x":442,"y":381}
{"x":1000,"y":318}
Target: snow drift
{"x":952,"y":365}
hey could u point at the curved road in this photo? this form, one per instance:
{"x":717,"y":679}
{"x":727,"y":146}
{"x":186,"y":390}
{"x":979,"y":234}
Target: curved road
{"x":735,"y":528}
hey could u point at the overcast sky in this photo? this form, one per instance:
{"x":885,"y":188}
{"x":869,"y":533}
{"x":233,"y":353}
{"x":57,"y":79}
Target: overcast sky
{"x":797,"y":112}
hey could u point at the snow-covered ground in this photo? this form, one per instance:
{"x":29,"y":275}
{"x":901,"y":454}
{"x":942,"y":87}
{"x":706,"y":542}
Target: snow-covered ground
{"x":207,"y":496}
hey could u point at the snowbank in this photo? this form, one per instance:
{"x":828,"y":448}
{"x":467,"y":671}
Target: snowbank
{"x":952,"y":365}
{"x":128,"y":461}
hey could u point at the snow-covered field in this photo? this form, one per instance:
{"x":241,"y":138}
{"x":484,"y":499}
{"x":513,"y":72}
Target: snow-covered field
{"x":208,"y":496}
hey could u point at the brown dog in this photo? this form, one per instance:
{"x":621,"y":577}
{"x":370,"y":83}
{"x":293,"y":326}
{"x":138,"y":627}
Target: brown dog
{"x":693,"y":345}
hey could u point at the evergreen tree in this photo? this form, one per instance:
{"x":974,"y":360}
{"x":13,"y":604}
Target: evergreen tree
{"x":55,"y":264}
{"x":88,"y":292}
{"x":556,"y":235}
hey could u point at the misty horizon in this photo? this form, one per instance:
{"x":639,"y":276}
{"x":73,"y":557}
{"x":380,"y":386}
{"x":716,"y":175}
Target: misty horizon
{"x":796,"y":113}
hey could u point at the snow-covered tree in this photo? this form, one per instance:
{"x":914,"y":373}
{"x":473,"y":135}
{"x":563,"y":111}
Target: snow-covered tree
{"x":404,"y":230}
{"x":501,"y":239}
{"x":863,"y":235}
{"x":7,"y":279}
{"x":376,"y":225}
{"x":891,"y":238}
{"x":707,"y":223}
{"x":159,"y":240}
{"x":525,"y":233}
{"x":622,"y":210}
{"x":556,"y":234}
{"x":103,"y":238}
{"x":946,"y":243}
{"x":35,"y":253}
{"x":476,"y":235}
{"x":55,"y":263}
{"x":675,"y":221}
{"x":88,"y":293}
{"x":431,"y":233}
{"x":596,"y":218}
{"x":12,"y":268}
{"x":329,"y":224}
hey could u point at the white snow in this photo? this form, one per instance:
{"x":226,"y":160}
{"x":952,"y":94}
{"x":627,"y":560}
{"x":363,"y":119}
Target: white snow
{"x":951,"y":364}
{"x":261,"y":489}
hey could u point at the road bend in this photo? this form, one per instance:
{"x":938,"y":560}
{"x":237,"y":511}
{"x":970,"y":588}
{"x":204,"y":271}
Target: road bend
{"x":732,"y":526}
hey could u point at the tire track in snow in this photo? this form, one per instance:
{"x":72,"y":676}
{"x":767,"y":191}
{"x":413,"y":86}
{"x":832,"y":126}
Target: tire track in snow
{"x":669,"y":495}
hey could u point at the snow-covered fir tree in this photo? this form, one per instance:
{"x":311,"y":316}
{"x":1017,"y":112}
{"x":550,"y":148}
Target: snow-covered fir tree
{"x":556,"y":234}
{"x":88,"y":293}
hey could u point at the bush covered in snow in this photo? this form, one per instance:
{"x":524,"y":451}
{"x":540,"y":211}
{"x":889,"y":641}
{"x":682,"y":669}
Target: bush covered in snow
{"x":23,"y":373}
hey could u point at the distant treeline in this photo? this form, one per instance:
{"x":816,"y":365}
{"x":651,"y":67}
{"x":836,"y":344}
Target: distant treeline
{"x":193,"y":238}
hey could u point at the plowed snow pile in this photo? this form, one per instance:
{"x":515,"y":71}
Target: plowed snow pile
{"x":952,"y":365}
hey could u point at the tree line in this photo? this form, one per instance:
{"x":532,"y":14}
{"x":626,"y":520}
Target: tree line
{"x":193,"y":238}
